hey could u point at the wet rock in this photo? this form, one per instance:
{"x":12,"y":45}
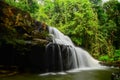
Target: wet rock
{"x":22,"y":38}
{"x":115,"y":76}
{"x":113,"y":63}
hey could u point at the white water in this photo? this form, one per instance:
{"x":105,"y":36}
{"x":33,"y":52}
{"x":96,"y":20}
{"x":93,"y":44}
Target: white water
{"x":59,"y":37}
{"x":77,"y":58}
{"x":83,"y":57}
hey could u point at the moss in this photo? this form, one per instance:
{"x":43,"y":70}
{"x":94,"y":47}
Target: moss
{"x":17,"y":24}
{"x":20,"y":35}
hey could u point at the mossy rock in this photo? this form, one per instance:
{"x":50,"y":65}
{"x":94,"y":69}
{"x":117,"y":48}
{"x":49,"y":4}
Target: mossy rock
{"x":20,"y":35}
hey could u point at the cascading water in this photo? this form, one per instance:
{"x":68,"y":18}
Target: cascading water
{"x":62,"y":54}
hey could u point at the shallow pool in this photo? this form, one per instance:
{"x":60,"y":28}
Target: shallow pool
{"x":84,"y":74}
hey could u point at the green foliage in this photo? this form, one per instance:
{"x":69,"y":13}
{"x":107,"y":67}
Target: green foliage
{"x":117,"y":55}
{"x":108,"y":16}
{"x":74,"y":18}
{"x":89,"y":23}
{"x":32,"y":6}
{"x":113,"y":11}
{"x":104,"y":58}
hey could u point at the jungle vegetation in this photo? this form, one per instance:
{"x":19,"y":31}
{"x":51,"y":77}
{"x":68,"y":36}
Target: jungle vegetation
{"x":91,"y":24}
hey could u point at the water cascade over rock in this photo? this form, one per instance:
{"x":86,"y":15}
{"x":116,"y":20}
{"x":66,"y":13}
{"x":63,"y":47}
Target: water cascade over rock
{"x":62,"y":54}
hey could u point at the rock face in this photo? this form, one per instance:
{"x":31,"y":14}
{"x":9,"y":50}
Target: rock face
{"x":22,"y":39}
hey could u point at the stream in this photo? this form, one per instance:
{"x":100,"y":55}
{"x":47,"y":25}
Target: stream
{"x":83,"y":74}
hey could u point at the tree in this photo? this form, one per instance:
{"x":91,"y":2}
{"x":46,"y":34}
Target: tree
{"x":112,"y":9}
{"x":108,"y":16}
{"x":75,"y":18}
{"x":31,"y":6}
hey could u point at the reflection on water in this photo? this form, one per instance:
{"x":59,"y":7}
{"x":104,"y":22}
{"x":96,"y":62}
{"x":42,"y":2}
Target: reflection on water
{"x":88,"y":74}
{"x":93,"y":75}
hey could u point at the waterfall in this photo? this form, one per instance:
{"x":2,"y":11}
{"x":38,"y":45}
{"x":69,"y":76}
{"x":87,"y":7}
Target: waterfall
{"x":62,"y":54}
